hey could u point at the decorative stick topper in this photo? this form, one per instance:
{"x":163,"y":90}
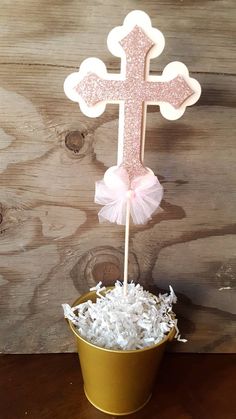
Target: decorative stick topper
{"x":136,"y":42}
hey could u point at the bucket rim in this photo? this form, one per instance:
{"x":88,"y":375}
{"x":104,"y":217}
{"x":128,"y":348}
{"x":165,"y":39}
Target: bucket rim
{"x":169,"y":337}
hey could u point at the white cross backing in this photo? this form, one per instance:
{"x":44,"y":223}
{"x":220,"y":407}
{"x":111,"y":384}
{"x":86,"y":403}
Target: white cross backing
{"x":136,"y":42}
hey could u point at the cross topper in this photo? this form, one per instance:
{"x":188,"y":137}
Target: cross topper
{"x":136,"y":42}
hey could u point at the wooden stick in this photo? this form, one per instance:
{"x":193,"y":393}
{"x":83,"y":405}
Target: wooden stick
{"x":126,"y":258}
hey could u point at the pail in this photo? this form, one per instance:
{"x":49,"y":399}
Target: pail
{"x":118,"y":382}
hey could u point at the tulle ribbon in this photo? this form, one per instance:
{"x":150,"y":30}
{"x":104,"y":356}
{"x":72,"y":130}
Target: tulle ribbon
{"x":145,"y":194}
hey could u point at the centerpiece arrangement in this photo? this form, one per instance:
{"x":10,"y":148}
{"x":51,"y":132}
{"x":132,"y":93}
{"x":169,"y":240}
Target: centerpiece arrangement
{"x":122,"y":331}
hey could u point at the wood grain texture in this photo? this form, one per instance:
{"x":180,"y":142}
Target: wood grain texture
{"x":48,"y":386}
{"x":52,"y":247}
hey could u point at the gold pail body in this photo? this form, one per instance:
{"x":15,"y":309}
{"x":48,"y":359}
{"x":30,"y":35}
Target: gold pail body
{"x":118,"y":382}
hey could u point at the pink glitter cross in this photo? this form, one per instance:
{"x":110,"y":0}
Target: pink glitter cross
{"x":133,"y":90}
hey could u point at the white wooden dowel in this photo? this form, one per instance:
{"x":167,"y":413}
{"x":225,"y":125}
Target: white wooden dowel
{"x":126,"y":258}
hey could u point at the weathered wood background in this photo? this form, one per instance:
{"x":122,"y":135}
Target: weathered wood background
{"x":51,"y":245}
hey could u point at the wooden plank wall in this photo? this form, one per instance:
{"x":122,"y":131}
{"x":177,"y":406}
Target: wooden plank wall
{"x":52,"y":247}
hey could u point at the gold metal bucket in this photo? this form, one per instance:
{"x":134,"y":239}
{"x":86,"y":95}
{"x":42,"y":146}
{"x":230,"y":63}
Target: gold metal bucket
{"x":118,"y":382}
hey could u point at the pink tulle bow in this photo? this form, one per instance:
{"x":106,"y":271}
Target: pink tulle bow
{"x":111,"y":192}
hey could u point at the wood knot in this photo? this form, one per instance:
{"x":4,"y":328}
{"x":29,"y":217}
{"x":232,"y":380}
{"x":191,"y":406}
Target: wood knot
{"x":1,"y":218}
{"x":102,"y":263}
{"x":107,"y":272}
{"x":74,"y":141}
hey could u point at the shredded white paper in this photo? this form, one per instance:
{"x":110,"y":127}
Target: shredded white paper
{"x":130,"y":322}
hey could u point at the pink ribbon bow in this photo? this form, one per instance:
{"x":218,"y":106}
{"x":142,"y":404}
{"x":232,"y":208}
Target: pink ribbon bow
{"x":145,"y":194}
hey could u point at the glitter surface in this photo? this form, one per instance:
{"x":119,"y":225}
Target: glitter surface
{"x":134,"y":91}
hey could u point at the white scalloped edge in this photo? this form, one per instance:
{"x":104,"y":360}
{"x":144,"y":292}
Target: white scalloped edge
{"x":141,"y":19}
{"x":171,"y":71}
{"x":96,"y":66}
